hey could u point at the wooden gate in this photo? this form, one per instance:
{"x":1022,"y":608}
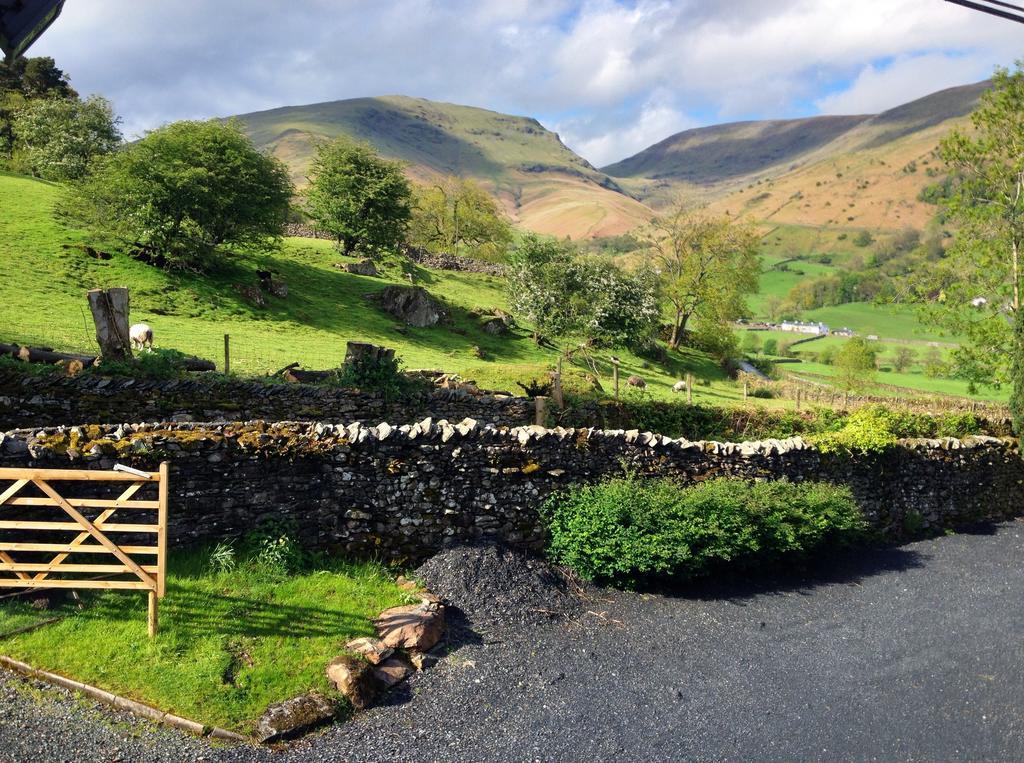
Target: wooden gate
{"x":45,"y":564}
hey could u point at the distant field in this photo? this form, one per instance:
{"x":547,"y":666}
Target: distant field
{"x":884,"y":321}
{"x":912,"y":382}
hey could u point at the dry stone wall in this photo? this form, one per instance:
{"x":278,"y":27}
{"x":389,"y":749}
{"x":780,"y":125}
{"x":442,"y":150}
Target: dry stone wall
{"x":402,"y":492}
{"x":31,"y":401}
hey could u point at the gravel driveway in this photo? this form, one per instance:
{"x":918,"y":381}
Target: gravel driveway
{"x":912,"y":653}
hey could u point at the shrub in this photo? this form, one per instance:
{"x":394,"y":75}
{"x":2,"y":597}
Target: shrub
{"x":628,"y":531}
{"x":381,"y":375}
{"x":872,"y":429}
{"x":158,"y":363}
{"x":765,"y":393}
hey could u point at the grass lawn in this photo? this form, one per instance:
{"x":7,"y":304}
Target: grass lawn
{"x":230,"y":643}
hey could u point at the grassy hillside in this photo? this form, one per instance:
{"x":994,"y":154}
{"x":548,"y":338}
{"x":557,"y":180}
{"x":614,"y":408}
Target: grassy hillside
{"x":707,"y":156}
{"x":45,"y":271}
{"x":832,"y":173}
{"x":543,"y":184}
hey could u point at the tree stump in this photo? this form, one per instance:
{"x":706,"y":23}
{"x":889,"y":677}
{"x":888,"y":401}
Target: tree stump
{"x":109,"y":309}
{"x":358,"y":351}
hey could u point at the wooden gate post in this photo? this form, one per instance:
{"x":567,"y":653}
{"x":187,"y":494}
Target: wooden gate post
{"x":540,"y":410}
{"x":689,"y":388}
{"x":615,"y":378}
{"x":109,"y":308}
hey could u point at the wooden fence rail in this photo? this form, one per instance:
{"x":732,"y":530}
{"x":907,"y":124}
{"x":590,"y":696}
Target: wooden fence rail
{"x":56,"y":571}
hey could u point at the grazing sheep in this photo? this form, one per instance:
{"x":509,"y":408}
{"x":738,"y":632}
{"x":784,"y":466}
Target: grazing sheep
{"x":141,"y":336}
{"x":636,"y":381}
{"x":679,"y":386}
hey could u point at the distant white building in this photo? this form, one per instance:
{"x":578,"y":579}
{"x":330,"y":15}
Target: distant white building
{"x":800,"y":327}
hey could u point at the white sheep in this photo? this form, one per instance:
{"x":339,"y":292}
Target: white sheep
{"x":679,"y":386}
{"x":141,"y":336}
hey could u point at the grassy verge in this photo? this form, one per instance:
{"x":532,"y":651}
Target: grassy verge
{"x":230,"y":642}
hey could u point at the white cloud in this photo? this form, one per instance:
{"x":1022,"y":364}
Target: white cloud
{"x":603,"y":144}
{"x":630,"y":68}
{"x":878,"y":88}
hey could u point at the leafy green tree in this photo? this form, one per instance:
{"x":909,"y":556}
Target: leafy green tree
{"x":59,"y":138}
{"x":21,"y":81}
{"x":771,"y":346}
{"x":987,"y":205}
{"x":186,"y":190}
{"x":855,"y":365}
{"x":708,"y":265}
{"x":751,"y":342}
{"x":903,"y":358}
{"x":459,"y":213}
{"x":362,"y":200}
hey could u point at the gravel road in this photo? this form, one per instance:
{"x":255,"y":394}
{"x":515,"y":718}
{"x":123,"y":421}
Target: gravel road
{"x":912,"y":653}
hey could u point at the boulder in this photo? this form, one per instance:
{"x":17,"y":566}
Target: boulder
{"x":494,"y":325}
{"x":295,"y":716}
{"x":362,"y":268}
{"x":416,"y":627}
{"x":355,"y":678}
{"x":411,"y":304}
{"x":373,"y":649}
{"x":393,"y":671}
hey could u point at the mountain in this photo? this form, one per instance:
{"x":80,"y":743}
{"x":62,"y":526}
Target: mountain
{"x":543,"y":185}
{"x":838,"y":171}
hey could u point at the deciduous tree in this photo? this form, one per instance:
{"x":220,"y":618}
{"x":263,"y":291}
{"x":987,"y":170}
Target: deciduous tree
{"x":185,"y":190}
{"x":459,"y":214}
{"x":362,"y":200}
{"x":855,"y":365}
{"x":707,"y":266}
{"x":59,"y":138}
{"x":986,"y":202}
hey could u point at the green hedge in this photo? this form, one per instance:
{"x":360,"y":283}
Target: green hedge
{"x":628,"y":531}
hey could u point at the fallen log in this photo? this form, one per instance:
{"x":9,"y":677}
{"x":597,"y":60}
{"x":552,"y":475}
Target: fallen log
{"x":44,"y":355}
{"x":49,"y":357}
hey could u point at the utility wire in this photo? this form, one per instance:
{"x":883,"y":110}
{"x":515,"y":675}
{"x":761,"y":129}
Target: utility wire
{"x":993,"y":11}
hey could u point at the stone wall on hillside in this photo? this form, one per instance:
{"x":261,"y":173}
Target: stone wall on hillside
{"x":403,"y":492}
{"x":28,"y":401}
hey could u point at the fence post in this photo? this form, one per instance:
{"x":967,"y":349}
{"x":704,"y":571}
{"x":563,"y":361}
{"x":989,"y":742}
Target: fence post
{"x":227,"y":353}
{"x":798,"y":398}
{"x":556,"y":388}
{"x":689,"y":389}
{"x":615,"y":378}
{"x":745,"y":390}
{"x":540,"y":414}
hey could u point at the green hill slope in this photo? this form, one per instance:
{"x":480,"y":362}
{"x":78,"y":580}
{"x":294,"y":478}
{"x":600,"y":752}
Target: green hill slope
{"x":45,"y":270}
{"x":542,"y":183}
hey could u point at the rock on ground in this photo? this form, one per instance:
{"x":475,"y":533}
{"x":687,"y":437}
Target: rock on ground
{"x":294,"y":717}
{"x":411,"y":304}
{"x":498,"y":588}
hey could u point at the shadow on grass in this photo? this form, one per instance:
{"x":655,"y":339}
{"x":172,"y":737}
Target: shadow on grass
{"x":845,"y":567}
{"x":200,"y":614}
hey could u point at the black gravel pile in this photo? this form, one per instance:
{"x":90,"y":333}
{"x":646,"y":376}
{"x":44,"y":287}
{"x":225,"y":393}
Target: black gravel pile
{"x":498,"y":588}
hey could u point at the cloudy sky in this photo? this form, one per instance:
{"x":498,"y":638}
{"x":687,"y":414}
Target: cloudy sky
{"x":611,"y":76}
